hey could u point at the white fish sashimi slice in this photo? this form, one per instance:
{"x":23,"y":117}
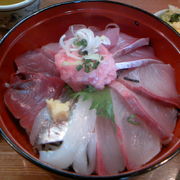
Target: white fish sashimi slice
{"x":82,"y":122}
{"x":109,"y":156}
{"x":139,"y":143}
{"x":154,"y":80}
{"x":157,"y":115}
{"x":85,"y":158}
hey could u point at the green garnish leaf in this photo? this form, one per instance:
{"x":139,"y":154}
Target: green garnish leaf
{"x":90,"y":89}
{"x":79,"y":67}
{"x":101,"y":101}
{"x":95,"y":65}
{"x":87,"y":68}
{"x":131,"y":120}
{"x":88,"y":65}
{"x":82,"y":42}
{"x":175,"y":17}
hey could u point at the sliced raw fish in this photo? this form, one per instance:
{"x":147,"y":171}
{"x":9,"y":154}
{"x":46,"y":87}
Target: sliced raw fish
{"x":127,"y":43}
{"x":109,"y":156}
{"x":145,"y":52}
{"x":141,"y":56}
{"x":139,"y":143}
{"x":85,"y":158}
{"x":158,"y":116}
{"x":50,"y":50}
{"x":144,"y":101}
{"x":26,"y":97}
{"x":154,"y":80}
{"x":81,"y":125}
{"x":36,"y":62}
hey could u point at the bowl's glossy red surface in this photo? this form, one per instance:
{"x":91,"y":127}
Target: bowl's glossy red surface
{"x":48,"y":25}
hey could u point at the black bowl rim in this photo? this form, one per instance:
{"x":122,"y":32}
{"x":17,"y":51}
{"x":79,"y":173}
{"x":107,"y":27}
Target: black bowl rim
{"x":70,"y":174}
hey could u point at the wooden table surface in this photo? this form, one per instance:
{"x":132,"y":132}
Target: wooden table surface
{"x":14,"y":167}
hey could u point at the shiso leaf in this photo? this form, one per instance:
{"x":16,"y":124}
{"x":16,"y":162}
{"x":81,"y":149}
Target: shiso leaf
{"x":101,"y":100}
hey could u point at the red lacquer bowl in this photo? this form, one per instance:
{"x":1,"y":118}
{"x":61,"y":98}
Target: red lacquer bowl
{"x":48,"y":25}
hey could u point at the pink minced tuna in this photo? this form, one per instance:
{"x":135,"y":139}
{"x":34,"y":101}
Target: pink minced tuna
{"x":103,"y":75}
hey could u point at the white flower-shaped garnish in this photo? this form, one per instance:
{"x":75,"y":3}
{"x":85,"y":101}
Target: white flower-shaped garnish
{"x":84,"y":40}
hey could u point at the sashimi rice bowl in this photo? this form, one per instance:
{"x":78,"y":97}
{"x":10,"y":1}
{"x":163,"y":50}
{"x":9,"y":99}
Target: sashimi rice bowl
{"x":90,"y":89}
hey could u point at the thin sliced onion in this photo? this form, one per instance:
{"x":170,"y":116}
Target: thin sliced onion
{"x":67,"y":46}
{"x":93,"y":42}
{"x":110,"y":25}
{"x":61,"y":41}
{"x":80,"y":26}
